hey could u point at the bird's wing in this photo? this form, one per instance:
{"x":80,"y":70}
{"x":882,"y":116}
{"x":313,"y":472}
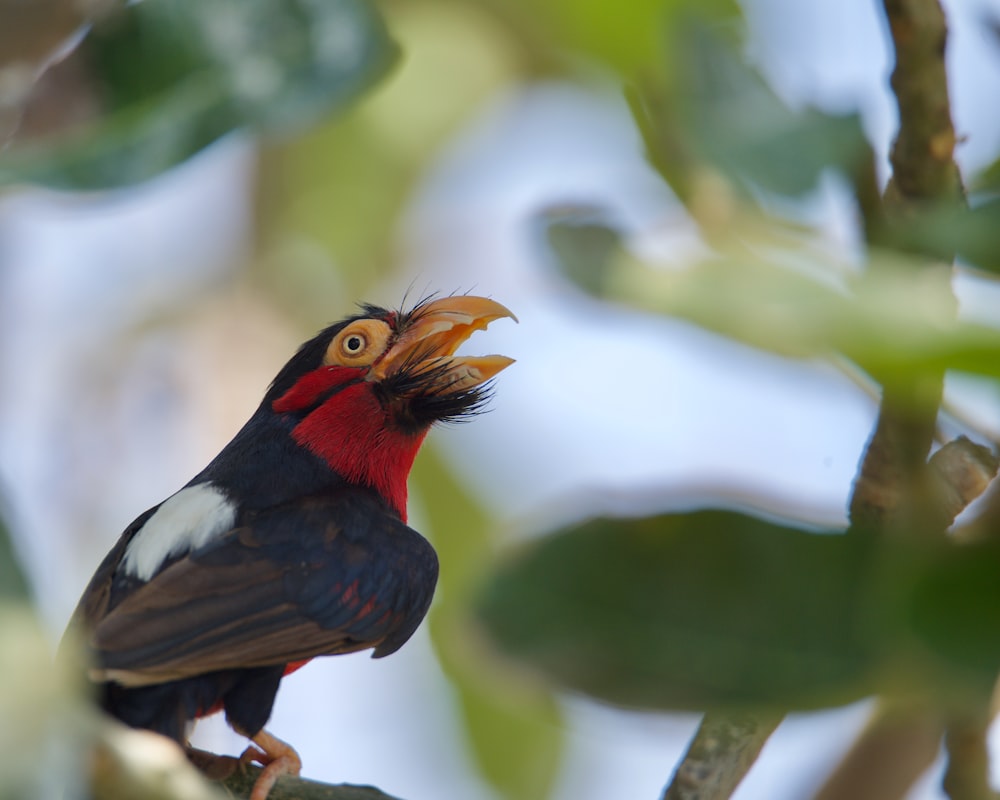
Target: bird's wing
{"x":326,"y":575}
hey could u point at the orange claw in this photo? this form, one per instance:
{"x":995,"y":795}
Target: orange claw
{"x":277,"y":757}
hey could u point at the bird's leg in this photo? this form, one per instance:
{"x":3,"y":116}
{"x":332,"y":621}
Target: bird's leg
{"x":277,"y":757}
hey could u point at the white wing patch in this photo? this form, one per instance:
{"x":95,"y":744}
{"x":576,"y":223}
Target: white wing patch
{"x":183,"y":522}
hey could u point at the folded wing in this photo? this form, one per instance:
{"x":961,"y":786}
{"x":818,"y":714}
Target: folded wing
{"x":326,"y":575}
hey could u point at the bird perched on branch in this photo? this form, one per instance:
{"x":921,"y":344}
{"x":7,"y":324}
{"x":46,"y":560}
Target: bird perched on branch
{"x":292,"y":543}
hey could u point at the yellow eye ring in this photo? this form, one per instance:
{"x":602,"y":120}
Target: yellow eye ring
{"x":359,"y":344}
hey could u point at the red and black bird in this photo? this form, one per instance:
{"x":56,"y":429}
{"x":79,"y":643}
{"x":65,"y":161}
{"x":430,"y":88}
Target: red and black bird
{"x":292,"y":543}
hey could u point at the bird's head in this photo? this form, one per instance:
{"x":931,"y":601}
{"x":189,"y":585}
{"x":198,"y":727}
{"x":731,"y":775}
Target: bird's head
{"x":363,"y":393}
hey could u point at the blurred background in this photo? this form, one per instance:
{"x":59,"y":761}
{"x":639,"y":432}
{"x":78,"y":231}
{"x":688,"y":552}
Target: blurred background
{"x":160,"y":259}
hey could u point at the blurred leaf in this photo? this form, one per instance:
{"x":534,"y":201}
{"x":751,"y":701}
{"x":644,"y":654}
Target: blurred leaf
{"x":740,"y":125}
{"x":583,"y":243}
{"x":976,"y":235}
{"x":329,"y":201}
{"x":717,"y":110}
{"x":178,"y":74}
{"x":129,"y":764}
{"x":988,"y":179}
{"x":627,"y":38}
{"x":973,"y":233}
{"x":955,"y":613}
{"x":42,"y":731}
{"x":13,"y":584}
{"x":515,"y":731}
{"x":688,"y":611}
{"x":893,"y":321}
{"x":31,"y":34}
{"x":57,"y":744}
{"x":515,"y":734}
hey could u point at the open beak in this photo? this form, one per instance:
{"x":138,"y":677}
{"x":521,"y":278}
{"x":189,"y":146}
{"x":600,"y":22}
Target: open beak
{"x":426,"y":345}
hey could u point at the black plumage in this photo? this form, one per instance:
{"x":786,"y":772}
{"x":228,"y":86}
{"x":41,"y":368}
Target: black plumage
{"x":329,"y":574}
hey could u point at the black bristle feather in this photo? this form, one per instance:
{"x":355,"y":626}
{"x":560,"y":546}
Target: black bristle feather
{"x":424,"y":402}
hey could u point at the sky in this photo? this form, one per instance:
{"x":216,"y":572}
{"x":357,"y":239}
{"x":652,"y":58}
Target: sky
{"x":601,"y":398}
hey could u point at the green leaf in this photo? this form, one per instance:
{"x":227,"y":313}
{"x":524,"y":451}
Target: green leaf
{"x":976,"y":235}
{"x":514,"y":731}
{"x":176,"y":75}
{"x":894,"y":320}
{"x":717,"y":110}
{"x":988,"y":179}
{"x":689,"y":611}
{"x":628,"y":38}
{"x":45,"y":724}
{"x":973,"y":234}
{"x":13,"y":584}
{"x":583,"y":244}
{"x":954,"y":613}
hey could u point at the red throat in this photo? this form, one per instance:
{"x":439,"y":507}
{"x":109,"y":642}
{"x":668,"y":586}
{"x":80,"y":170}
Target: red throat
{"x":353,"y":434}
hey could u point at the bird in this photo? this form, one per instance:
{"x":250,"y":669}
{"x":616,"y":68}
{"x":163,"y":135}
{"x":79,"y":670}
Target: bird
{"x":292,"y":542}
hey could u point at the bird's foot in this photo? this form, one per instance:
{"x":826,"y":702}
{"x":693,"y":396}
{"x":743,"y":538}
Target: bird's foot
{"x":275,"y":756}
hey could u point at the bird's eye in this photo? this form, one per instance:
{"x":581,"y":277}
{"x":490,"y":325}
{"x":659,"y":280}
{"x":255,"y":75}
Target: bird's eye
{"x":359,"y":344}
{"x":354,"y":344}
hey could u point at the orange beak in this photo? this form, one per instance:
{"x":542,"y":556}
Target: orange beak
{"x":427,"y":343}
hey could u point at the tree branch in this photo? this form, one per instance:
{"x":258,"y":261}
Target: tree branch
{"x":896,"y":747}
{"x":239,"y":784}
{"x":896,"y":489}
{"x":131,"y":764}
{"x":720,"y":755}
{"x":238,"y":780}
{"x":890,"y":490}
{"x":922,"y":157}
{"x":967,"y":776}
